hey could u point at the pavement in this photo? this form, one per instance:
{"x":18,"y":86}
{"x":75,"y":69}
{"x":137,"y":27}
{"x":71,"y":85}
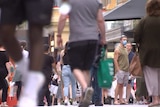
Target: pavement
{"x":105,"y":106}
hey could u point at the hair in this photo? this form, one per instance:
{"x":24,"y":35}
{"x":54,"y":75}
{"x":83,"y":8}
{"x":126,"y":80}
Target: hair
{"x":153,"y":8}
{"x":66,"y":47}
{"x":129,"y":43}
{"x":23,"y":43}
{"x":123,"y":36}
{"x":46,"y":47}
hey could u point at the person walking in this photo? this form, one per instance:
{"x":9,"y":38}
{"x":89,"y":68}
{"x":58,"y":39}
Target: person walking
{"x":86,"y":20}
{"x":121,"y":67}
{"x":38,"y":14}
{"x":67,"y":77}
{"x":18,"y":74}
{"x":4,"y":59}
{"x":47,"y":70}
{"x":147,"y":37}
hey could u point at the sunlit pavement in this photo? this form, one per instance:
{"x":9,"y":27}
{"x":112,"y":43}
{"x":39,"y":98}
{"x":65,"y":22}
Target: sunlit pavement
{"x":105,"y":106}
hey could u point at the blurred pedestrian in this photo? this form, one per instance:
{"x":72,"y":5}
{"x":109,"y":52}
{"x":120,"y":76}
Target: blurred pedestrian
{"x":18,"y":74}
{"x":67,"y":77}
{"x":38,"y":14}
{"x":147,"y":38}
{"x":86,"y":20}
{"x":47,"y":69}
{"x":4,"y":59}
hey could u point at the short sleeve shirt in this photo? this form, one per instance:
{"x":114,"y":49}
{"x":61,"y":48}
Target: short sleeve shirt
{"x":83,"y":20}
{"x":3,"y":60}
{"x":47,"y":65}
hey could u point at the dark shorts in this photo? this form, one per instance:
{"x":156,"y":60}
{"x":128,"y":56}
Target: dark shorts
{"x":34,"y":11}
{"x":82,"y":54}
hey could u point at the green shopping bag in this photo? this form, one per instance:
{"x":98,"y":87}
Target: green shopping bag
{"x":105,"y":71}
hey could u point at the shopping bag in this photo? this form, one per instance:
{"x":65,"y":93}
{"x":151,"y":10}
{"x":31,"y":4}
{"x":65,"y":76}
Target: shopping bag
{"x":105,"y":71}
{"x":135,"y":66}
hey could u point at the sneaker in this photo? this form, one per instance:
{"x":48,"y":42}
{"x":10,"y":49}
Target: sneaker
{"x":66,"y":102}
{"x":141,"y":102}
{"x":74,"y":103}
{"x":4,"y":104}
{"x":32,"y":86}
{"x":59,"y":104}
{"x":87,"y":98}
{"x":98,"y":104}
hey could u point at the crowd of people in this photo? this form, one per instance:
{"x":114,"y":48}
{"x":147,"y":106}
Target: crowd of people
{"x":70,"y":77}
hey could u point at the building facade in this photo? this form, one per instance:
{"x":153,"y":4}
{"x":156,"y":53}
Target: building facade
{"x":50,"y":31}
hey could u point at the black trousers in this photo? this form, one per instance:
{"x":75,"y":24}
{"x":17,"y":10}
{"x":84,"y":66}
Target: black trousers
{"x":4,"y":87}
{"x":19,"y":87}
{"x":44,"y":92}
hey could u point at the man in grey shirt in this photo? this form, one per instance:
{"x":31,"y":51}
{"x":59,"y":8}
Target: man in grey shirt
{"x":86,"y":22}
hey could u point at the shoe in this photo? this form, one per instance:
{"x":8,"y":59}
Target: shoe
{"x":154,"y":105}
{"x":66,"y":102}
{"x":107,"y":100}
{"x":4,"y":104}
{"x":116,"y":103}
{"x":74,"y":103}
{"x":59,"y":104}
{"x":98,"y":104}
{"x":87,"y":98}
{"x":122,"y":102}
{"x":32,"y":86}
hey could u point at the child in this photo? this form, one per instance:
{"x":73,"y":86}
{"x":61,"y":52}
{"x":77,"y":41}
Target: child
{"x":54,"y":87}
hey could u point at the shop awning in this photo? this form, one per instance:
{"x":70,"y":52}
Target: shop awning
{"x":132,"y":9}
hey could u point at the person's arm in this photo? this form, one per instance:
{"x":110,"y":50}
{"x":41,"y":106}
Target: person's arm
{"x":60,"y":62}
{"x":61,"y":57}
{"x":61,"y":25}
{"x":116,"y":55}
{"x":10,"y":69}
{"x":54,"y":67}
{"x":101,"y":25}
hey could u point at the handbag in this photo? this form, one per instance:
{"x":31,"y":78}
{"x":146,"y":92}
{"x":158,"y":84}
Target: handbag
{"x":135,"y":66}
{"x":105,"y":71}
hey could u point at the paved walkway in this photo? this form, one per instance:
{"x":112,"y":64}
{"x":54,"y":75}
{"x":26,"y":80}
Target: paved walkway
{"x":107,"y":106}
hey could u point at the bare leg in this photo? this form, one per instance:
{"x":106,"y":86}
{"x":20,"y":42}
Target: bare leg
{"x":121,"y":93}
{"x":53,"y":97}
{"x":34,"y":78}
{"x":155,"y":99}
{"x":81,"y":79}
{"x":87,"y":77}
{"x":133,"y":93}
{"x":84,"y":80}
{"x":118,"y":91}
{"x":128,"y":92}
{"x":35,"y":47}
{"x":116,"y":94}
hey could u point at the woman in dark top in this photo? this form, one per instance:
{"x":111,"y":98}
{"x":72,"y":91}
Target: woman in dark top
{"x":67,"y":77}
{"x":3,"y":74}
{"x":47,"y":71}
{"x":147,"y":35}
